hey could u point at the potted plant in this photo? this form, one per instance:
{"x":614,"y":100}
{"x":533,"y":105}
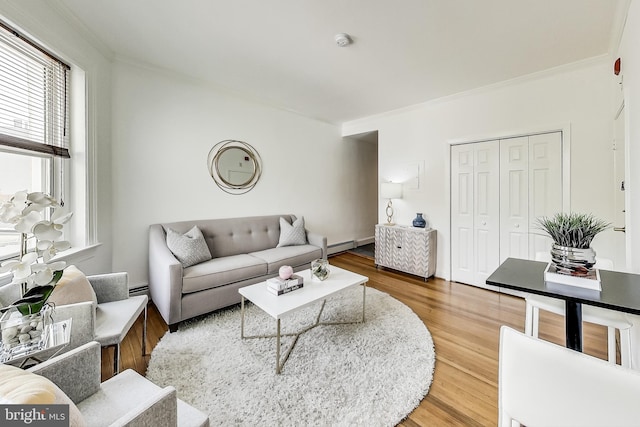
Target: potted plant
{"x":39,"y":217}
{"x":572,"y":234}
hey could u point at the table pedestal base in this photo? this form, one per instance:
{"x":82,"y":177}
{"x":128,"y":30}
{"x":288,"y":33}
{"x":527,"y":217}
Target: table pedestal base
{"x":573,"y":325}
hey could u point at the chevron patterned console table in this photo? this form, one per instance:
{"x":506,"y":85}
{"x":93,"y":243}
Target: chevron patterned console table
{"x":409,"y":249}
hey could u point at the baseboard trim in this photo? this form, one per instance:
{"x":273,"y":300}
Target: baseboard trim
{"x":365,"y":241}
{"x":340,"y":247}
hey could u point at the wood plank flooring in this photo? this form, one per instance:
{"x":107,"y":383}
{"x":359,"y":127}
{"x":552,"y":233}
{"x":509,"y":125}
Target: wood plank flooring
{"x":464,"y":322}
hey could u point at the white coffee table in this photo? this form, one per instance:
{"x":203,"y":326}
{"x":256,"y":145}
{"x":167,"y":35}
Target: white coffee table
{"x":312,"y":291}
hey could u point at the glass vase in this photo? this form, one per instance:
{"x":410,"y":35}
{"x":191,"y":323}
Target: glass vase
{"x":319,"y":269}
{"x":22,"y":333}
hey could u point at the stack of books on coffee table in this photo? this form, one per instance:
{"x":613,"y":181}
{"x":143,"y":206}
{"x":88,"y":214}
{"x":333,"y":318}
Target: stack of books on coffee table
{"x":279,"y":286}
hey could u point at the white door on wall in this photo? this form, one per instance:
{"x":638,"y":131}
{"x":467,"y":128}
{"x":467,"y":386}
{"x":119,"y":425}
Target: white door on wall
{"x":531,"y":187}
{"x":514,"y":198}
{"x":498,"y":189}
{"x":462,"y":269}
{"x":545,"y":186}
{"x":486,"y":224}
{"x":475,"y":212}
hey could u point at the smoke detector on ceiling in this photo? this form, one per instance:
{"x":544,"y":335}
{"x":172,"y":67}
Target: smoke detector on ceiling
{"x":343,"y":39}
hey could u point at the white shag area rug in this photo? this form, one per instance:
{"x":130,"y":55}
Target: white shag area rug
{"x":367,"y":374}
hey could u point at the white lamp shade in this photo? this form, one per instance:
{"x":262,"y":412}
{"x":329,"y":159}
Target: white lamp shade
{"x":391,"y":190}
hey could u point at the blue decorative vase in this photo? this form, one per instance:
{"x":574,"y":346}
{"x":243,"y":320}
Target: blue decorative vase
{"x":419,"y":221}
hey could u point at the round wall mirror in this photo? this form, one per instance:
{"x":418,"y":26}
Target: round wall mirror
{"x":235,"y":166}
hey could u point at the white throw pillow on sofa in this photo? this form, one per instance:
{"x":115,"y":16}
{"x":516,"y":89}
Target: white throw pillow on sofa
{"x":190,"y":248}
{"x":291,"y":235}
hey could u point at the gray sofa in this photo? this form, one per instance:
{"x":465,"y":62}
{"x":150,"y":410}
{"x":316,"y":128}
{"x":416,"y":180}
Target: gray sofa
{"x":243,"y":252}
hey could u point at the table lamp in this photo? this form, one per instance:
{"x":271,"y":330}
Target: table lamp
{"x":390,"y":190}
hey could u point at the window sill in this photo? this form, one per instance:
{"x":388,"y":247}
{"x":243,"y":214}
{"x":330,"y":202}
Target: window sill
{"x":70,"y":256}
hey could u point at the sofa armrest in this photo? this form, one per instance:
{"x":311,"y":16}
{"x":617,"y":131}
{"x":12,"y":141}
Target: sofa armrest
{"x":110,"y":287}
{"x":318,"y":240}
{"x":165,"y":276}
{"x":161,"y":406}
{"x":76,"y":372}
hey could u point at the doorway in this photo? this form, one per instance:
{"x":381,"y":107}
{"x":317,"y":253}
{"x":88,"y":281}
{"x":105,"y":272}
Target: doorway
{"x":364,"y":154}
{"x":619,"y":158}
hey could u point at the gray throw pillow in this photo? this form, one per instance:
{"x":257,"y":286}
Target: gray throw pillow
{"x":190,"y":247}
{"x":291,"y":235}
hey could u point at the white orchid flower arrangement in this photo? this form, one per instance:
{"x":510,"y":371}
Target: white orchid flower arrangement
{"x":35,"y":270}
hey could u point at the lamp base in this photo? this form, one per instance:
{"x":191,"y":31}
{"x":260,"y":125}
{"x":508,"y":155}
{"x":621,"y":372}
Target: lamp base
{"x":390,"y":213}
{"x":389,"y":223}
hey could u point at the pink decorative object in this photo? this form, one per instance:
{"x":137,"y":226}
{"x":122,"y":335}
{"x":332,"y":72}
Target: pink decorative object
{"x":285,"y":272}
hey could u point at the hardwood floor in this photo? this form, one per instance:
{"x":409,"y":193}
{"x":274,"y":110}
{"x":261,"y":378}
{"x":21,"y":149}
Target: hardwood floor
{"x":464,"y":322}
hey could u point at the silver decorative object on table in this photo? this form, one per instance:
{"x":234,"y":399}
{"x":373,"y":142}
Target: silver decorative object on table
{"x":573,"y":261}
{"x":320,"y":269}
{"x":572,"y":234}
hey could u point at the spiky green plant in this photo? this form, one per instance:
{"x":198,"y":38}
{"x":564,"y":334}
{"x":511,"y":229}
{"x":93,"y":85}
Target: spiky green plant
{"x":572,"y":229}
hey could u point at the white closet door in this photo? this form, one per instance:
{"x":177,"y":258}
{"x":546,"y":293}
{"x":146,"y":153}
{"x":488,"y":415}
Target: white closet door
{"x":545,"y":186}
{"x":498,"y":189}
{"x":486,"y":210}
{"x":462,"y":269}
{"x":514,"y":198}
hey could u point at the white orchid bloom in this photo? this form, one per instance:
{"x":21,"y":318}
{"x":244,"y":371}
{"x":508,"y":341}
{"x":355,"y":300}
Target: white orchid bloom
{"x":44,"y":272}
{"x":40,"y":198}
{"x":27,"y":222}
{"x":20,"y":198}
{"x":38,"y":202}
{"x":21,"y":269}
{"x":46,"y":230}
{"x":6,"y":266}
{"x":11,"y":210}
{"x":60,"y":217}
{"x":49,"y":249}
{"x":10,"y":213}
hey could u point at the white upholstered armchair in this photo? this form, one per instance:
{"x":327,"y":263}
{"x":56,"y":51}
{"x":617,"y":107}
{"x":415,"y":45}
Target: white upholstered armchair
{"x":107,"y":322}
{"x":125,"y":399}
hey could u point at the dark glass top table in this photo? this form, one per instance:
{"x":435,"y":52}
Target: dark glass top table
{"x":620,"y":291}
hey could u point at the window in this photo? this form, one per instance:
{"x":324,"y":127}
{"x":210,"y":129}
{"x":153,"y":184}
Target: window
{"x":34,"y":123}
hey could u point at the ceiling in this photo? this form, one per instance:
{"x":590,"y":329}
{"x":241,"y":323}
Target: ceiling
{"x":283,"y":53}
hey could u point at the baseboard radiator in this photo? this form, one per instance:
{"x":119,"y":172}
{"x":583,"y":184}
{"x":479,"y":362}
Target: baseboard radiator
{"x":139,"y":290}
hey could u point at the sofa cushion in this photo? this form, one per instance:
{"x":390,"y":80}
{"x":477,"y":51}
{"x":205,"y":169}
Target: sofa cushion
{"x":288,"y":255}
{"x":292,"y":234}
{"x":222,"y":271}
{"x":190,"y":247}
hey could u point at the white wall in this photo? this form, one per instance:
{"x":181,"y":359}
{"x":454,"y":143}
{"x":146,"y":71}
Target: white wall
{"x":577,"y":97}
{"x":90,"y":194}
{"x":630,"y":59}
{"x":163,"y":129}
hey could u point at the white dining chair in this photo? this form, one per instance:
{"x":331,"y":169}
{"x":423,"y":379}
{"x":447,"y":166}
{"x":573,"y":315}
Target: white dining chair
{"x":600,"y":316}
{"x":544,"y":384}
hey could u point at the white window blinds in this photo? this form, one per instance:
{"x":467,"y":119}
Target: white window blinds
{"x":34,"y":101}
